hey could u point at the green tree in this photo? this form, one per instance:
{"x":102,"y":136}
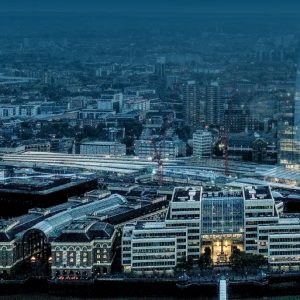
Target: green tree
{"x":241,"y":260}
{"x":205,"y":260}
{"x":184,"y":133}
{"x":184,"y":263}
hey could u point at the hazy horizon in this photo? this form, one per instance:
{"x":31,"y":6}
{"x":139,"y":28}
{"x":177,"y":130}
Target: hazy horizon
{"x":154,"y":6}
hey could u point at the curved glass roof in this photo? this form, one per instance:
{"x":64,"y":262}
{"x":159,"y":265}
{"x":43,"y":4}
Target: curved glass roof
{"x":54,"y":224}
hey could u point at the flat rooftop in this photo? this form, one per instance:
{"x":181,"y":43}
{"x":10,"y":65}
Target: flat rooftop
{"x":257,"y":192}
{"x":183,"y":194}
{"x":100,"y":143}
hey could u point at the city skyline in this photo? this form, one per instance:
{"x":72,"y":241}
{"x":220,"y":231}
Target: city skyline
{"x":149,"y":149}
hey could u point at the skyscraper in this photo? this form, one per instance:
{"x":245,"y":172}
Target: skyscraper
{"x":297,"y":121}
{"x":214,"y":106}
{"x":290,"y":129}
{"x":160,"y":67}
{"x":192,"y":104}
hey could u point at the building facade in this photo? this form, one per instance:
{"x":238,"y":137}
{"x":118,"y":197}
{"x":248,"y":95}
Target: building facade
{"x":169,"y":148}
{"x":247,"y":219}
{"x":290,"y":129}
{"x":202,"y":144}
{"x":85,"y":248}
{"x":214,"y":105}
{"x":191,"y":100}
{"x":102,"y":148}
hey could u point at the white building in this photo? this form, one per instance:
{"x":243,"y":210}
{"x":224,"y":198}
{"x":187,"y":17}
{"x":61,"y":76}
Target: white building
{"x":152,"y":245}
{"x":102,"y":148}
{"x":169,"y":148}
{"x":29,"y":110}
{"x":202,"y":144}
{"x":105,"y":105}
{"x":137,"y":103}
{"x":9,"y":111}
{"x":259,"y":208}
{"x":112,"y":99}
{"x":280,"y":242}
{"x":247,"y":219}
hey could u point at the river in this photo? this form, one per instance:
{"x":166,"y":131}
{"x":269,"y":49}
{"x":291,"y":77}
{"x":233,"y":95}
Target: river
{"x":47,"y":297}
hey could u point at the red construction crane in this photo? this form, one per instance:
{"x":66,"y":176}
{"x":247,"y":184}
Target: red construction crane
{"x":158,"y":157}
{"x":224,"y":140}
{"x":158,"y":152}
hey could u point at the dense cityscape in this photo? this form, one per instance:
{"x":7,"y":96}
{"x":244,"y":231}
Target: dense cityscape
{"x":149,"y":153}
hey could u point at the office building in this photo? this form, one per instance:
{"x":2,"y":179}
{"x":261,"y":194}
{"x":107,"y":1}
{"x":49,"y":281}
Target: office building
{"x":191,"y":101}
{"x":214,"y":105}
{"x":202,"y":144}
{"x":160,"y":67}
{"x":152,"y":247}
{"x":290,"y":129}
{"x":247,"y":219}
{"x":111,"y":100}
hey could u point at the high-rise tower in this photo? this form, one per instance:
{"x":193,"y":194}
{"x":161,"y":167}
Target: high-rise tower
{"x":160,"y":67}
{"x":192,"y":104}
{"x":290,"y":129}
{"x":214,"y":105}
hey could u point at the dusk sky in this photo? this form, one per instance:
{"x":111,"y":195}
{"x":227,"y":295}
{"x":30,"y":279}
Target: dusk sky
{"x":197,"y":6}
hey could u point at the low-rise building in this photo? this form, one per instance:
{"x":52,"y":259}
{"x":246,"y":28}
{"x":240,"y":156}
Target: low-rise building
{"x":85,"y":248}
{"x":169,"y":148}
{"x":75,"y":239}
{"x":102,"y":148}
{"x":137,"y":103}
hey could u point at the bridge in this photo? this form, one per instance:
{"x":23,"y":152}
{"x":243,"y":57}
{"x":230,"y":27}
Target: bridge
{"x":222,"y":289}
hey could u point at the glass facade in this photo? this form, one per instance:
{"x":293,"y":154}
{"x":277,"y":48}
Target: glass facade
{"x":297,"y":121}
{"x":222,"y":215}
{"x":290,"y":129}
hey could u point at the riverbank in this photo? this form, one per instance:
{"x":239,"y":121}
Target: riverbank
{"x":133,"y":287}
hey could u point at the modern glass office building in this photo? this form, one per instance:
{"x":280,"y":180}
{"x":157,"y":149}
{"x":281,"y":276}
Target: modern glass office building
{"x":297,"y":121}
{"x":247,"y":219}
{"x":290,"y":129}
{"x":222,"y":223}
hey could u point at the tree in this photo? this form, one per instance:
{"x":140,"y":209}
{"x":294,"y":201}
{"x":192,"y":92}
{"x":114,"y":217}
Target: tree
{"x":133,"y":130}
{"x":184,"y":133}
{"x":185,"y":263}
{"x":242,"y":260}
{"x":205,"y":260}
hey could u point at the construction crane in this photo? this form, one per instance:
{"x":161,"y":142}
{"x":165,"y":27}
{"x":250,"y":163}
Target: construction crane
{"x":224,"y":141}
{"x":225,"y":138}
{"x":158,"y":152}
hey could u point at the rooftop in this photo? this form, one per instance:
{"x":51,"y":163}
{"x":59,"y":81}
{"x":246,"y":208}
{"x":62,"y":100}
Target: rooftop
{"x":100,"y":143}
{"x":86,"y":231}
{"x":182,"y":194}
{"x":258,"y":192}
